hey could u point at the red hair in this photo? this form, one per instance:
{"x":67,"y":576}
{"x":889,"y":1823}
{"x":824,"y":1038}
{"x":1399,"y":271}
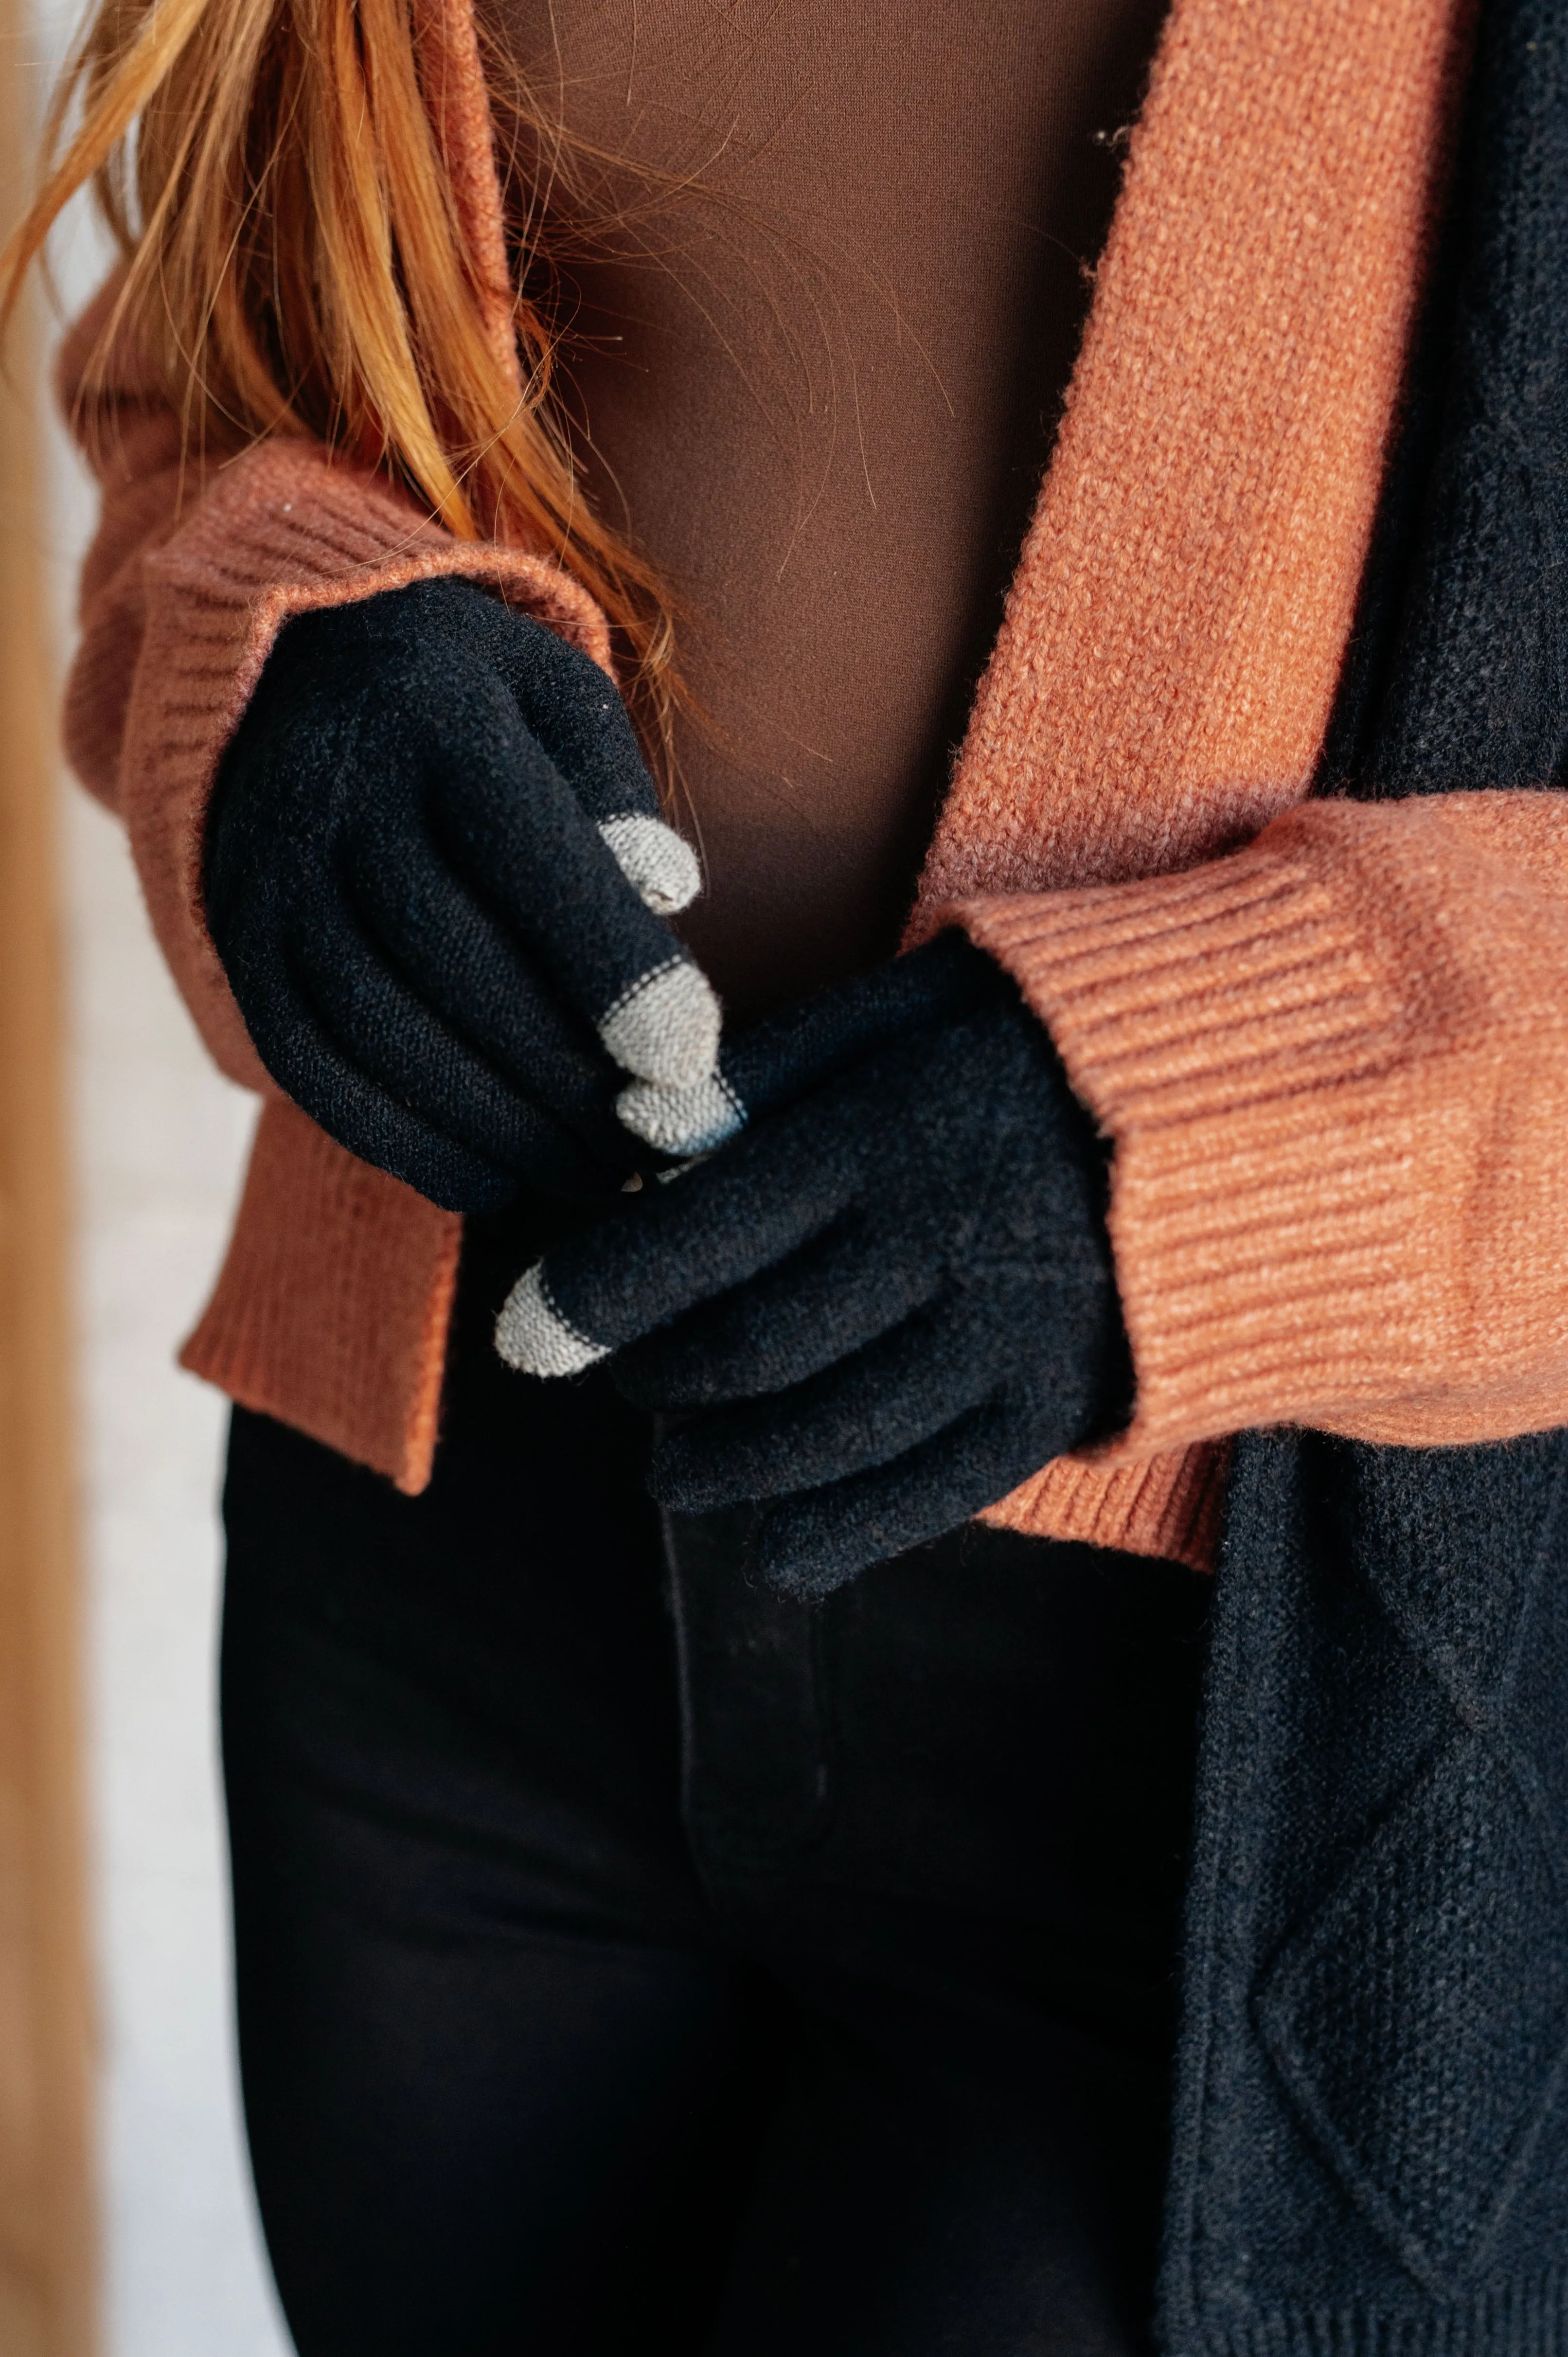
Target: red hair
{"x":297,"y":263}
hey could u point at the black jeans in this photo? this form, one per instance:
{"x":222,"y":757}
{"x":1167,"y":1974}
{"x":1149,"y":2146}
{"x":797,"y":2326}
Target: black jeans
{"x":632,"y":1962}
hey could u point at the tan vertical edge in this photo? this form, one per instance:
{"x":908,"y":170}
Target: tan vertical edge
{"x":47,"y":2271}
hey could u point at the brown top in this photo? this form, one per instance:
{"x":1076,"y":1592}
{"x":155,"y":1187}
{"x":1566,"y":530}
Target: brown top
{"x":820,"y":386}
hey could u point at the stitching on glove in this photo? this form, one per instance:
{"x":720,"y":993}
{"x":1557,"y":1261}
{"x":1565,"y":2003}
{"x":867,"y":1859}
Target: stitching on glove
{"x":660,"y":867}
{"x":665,"y":1025}
{"x":533,"y":1337}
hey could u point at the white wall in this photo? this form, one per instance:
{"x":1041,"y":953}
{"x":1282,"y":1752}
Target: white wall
{"x":159,"y":1140}
{"x":159,"y":1143}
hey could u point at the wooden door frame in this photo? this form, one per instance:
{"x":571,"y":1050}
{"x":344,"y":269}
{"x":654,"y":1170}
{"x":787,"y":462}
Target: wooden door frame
{"x":48,"y":2303}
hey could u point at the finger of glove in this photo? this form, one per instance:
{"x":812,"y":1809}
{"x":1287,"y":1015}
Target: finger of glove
{"x":384,"y":1030}
{"x":808,"y":1046}
{"x":729,"y":1219}
{"x":574,"y":710}
{"x":830,"y":1299}
{"x":810,"y":1544}
{"x":447,"y":632}
{"x":899,"y":1390}
{"x":780,"y":1059}
{"x":363,"y":1117}
{"x":513,"y":831}
{"x":681,"y":1122}
{"x":428,"y":927}
{"x":449,"y":629}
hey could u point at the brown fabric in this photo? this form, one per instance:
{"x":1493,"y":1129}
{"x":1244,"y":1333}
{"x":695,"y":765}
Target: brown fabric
{"x":1159,"y":691}
{"x":823,"y":382}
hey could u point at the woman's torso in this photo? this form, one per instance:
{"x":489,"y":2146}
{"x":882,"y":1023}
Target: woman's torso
{"x":816,"y":369}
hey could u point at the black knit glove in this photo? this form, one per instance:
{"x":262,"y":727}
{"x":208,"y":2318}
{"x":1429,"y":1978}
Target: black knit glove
{"x":437,"y":879}
{"x":886,"y":1303}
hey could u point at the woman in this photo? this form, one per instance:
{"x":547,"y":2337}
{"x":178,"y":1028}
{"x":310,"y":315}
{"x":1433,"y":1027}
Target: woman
{"x":758,"y":1929}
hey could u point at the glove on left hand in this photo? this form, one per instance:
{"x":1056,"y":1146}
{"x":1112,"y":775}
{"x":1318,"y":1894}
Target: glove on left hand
{"x":437,"y":880}
{"x":887,"y":1303}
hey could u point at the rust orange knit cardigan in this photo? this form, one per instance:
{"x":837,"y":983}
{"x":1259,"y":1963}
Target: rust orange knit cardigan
{"x":1327,"y":1040}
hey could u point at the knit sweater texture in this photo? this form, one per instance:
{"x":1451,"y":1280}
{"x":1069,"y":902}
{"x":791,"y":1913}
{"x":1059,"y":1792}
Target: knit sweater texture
{"x":1161,"y":690}
{"x":1324,"y":1030}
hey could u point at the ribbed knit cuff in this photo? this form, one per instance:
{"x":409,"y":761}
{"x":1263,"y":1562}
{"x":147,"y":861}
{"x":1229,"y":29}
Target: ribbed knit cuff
{"x":1169,"y":1505}
{"x":1289,"y":1144}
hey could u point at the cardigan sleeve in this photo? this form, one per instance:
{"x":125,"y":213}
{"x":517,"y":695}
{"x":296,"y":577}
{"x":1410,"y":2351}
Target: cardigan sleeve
{"x":197,"y":564}
{"x":1334,"y":1066}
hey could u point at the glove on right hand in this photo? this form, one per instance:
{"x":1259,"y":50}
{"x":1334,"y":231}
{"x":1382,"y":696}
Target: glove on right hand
{"x":437,"y":879}
{"x":887,"y":1303}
